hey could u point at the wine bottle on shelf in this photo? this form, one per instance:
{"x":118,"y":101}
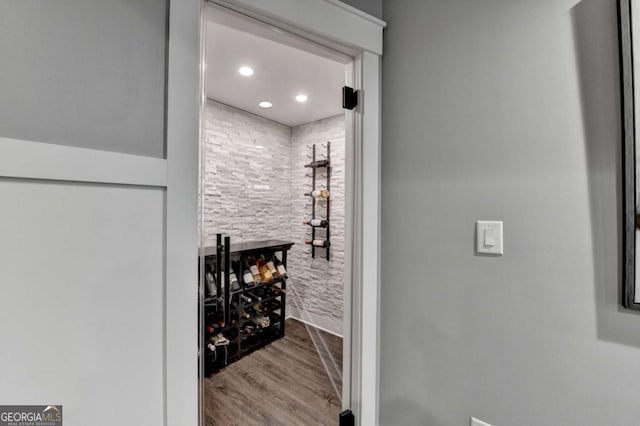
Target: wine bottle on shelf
{"x":318,"y":193}
{"x":257,"y":296}
{"x":318,"y":163}
{"x":265,"y":273}
{"x":272,"y":268}
{"x":316,"y":223}
{"x":280,"y":267}
{"x":253,"y":268}
{"x":247,"y":278}
{"x":318,"y":243}
{"x":219,"y":340}
{"x":261,"y":321}
{"x":211,"y":283}
{"x":277,"y":290}
{"x":233,"y":281}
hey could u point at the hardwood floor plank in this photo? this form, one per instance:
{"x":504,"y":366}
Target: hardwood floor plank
{"x":283,"y":384}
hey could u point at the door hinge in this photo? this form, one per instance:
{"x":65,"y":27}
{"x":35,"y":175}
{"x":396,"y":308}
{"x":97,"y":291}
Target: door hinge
{"x":349,"y":98}
{"x":347,"y":418}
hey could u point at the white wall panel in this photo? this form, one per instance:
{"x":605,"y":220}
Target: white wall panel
{"x":81,"y":312}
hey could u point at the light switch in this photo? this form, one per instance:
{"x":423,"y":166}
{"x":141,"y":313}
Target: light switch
{"x":489,"y":237}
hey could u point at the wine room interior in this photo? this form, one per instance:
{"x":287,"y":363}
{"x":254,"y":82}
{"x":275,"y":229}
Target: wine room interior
{"x":273,"y":203}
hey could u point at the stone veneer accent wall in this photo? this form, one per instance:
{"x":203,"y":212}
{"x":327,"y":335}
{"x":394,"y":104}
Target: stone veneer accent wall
{"x":247,"y":191}
{"x":254,"y":189}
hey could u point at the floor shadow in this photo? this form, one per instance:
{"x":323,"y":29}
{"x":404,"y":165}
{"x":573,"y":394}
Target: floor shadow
{"x":595,"y":27}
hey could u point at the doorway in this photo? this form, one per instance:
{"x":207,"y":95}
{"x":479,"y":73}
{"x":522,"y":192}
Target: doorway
{"x":274,"y":226}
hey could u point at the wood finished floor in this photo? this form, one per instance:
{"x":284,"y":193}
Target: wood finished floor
{"x":281,"y":384}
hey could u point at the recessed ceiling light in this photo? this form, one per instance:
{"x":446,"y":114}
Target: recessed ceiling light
{"x":265,"y":104}
{"x":246,"y":71}
{"x":302,"y":98}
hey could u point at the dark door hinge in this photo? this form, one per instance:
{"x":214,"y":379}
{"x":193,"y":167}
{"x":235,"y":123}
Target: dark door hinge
{"x":347,"y":418}
{"x":349,"y":98}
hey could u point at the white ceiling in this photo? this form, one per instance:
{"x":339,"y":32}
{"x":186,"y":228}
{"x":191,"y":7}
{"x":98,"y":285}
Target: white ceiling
{"x":282,"y":70}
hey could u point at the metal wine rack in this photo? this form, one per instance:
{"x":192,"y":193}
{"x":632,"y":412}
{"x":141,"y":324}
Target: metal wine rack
{"x":225,"y":305}
{"x":315,"y":165}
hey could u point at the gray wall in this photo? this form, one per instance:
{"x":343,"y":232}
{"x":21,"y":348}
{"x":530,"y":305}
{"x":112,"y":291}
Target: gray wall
{"x":507,"y":110}
{"x":372,"y":7}
{"x":85,"y":73}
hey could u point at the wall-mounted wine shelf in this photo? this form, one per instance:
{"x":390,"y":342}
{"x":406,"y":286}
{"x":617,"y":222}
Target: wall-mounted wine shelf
{"x":320,"y":226}
{"x":252,"y":313}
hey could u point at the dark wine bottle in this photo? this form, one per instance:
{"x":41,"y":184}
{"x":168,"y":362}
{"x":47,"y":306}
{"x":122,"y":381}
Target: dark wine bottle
{"x":318,"y":163}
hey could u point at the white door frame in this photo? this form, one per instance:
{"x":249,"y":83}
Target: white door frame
{"x":359,"y":35}
{"x":184,"y":100}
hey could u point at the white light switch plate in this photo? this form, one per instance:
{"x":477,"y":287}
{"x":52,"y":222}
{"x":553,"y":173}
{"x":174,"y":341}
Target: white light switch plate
{"x":476,"y":422}
{"x":489,"y":237}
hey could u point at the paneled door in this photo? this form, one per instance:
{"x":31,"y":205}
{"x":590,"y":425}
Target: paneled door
{"x":99,"y":127}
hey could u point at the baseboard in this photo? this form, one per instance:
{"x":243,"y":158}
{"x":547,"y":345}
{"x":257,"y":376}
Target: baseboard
{"x":327,"y":325}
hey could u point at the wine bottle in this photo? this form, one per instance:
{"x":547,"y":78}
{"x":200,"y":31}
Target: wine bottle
{"x":318,"y":243}
{"x":316,"y":223}
{"x":272,"y":268}
{"x":281,"y":269}
{"x":211,"y":284}
{"x":265,"y":273}
{"x":318,"y":193}
{"x":233,"y":280}
{"x":247,"y":278}
{"x":277,"y":290}
{"x":253,"y":268}
{"x":261,"y":321}
{"x":318,"y":163}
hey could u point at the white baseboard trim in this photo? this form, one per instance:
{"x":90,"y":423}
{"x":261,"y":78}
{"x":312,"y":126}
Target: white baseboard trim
{"x":328,"y":325}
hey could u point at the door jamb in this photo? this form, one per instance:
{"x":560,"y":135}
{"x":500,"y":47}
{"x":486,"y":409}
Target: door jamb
{"x":350,"y":31}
